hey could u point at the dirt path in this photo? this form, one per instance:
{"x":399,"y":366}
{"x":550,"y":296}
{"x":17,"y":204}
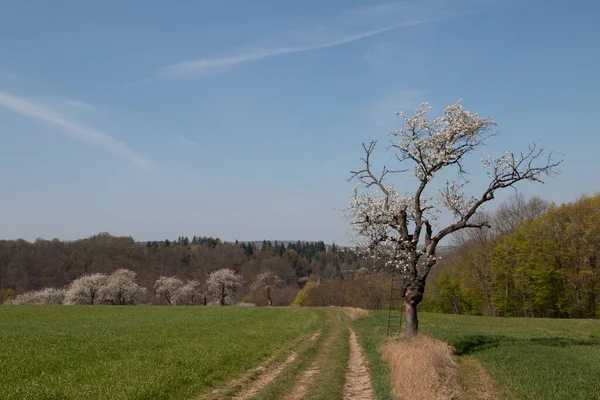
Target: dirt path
{"x":305,"y":380}
{"x":246,"y":387}
{"x":303,"y":384}
{"x":358,"y":381}
{"x":266,"y":376}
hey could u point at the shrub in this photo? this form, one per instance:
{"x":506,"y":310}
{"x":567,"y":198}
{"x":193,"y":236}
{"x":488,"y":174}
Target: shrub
{"x":303,"y":296}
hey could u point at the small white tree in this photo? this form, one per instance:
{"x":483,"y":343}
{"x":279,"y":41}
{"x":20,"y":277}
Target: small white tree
{"x":86,"y":289}
{"x":223,"y":284}
{"x":188,"y":294}
{"x":121,"y":288}
{"x":44,"y":296}
{"x":398,"y":225}
{"x":265,"y":283}
{"x":167,"y":286}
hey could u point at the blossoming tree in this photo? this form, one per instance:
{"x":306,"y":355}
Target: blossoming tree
{"x":400,"y":225}
{"x":168,"y":286}
{"x":265,"y":283}
{"x":86,"y":289}
{"x":223,"y":285}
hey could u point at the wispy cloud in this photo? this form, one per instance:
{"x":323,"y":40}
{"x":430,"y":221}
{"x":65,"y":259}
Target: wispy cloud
{"x":187,"y":141}
{"x":207,"y":64}
{"x":384,"y":17}
{"x":72,"y":128}
{"x":8,"y":77}
{"x":81,"y":105}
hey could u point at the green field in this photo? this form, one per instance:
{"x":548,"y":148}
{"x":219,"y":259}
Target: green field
{"x":527,"y":358}
{"x":77,"y":352}
{"x":107,"y":352}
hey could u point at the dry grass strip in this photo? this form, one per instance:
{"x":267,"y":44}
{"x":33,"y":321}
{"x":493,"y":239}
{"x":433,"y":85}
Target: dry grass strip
{"x":423,"y":369}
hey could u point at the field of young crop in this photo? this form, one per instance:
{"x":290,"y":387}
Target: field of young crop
{"x":79,"y":352}
{"x":526,"y":358}
{"x":210,"y":353}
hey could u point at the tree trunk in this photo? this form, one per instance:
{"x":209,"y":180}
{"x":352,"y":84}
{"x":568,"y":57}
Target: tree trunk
{"x":412,"y":321}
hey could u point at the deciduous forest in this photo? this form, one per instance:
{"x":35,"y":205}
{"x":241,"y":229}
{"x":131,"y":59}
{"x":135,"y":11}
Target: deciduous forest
{"x":536,"y":260}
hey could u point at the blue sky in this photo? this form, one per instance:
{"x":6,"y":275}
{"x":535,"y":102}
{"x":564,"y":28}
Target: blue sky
{"x":242,"y":119}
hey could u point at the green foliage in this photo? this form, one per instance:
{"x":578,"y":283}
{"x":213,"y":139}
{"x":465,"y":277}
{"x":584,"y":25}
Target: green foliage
{"x":303,"y":295}
{"x":78,"y":352}
{"x":548,"y":266}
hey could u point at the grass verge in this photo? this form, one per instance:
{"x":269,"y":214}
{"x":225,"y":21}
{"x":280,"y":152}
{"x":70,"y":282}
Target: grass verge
{"x":372,"y":335}
{"x":333,"y":361}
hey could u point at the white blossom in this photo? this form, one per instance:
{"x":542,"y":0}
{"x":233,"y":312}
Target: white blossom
{"x":86,"y":289}
{"x":223,"y":285}
{"x":188,"y":294}
{"x":167,"y":286}
{"x":44,"y":296}
{"x":121,"y":288}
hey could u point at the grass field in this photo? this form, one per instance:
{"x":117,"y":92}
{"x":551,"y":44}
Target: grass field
{"x":527,"y":358}
{"x":69,"y":352}
{"x":76,"y":352}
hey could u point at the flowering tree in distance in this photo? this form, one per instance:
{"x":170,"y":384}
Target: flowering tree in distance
{"x":265,"y":283}
{"x":121,"y":288}
{"x":223,"y":284}
{"x":400,"y":226}
{"x":188,"y":294}
{"x":86,"y":289}
{"x":167,"y":286}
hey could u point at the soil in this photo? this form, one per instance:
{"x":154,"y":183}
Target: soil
{"x":358,"y":381}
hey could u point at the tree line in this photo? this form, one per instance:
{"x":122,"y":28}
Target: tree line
{"x":33,"y":266}
{"x":535,"y":260}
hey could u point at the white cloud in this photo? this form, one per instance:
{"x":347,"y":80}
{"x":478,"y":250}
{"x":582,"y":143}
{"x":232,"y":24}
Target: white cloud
{"x":351,"y":26}
{"x":72,"y":128}
{"x":187,"y":141}
{"x":81,"y":105}
{"x":210,"y":64}
{"x":389,"y":17}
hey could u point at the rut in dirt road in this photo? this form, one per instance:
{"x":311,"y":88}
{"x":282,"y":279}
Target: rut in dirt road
{"x":358,"y":381}
{"x":269,"y":374}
